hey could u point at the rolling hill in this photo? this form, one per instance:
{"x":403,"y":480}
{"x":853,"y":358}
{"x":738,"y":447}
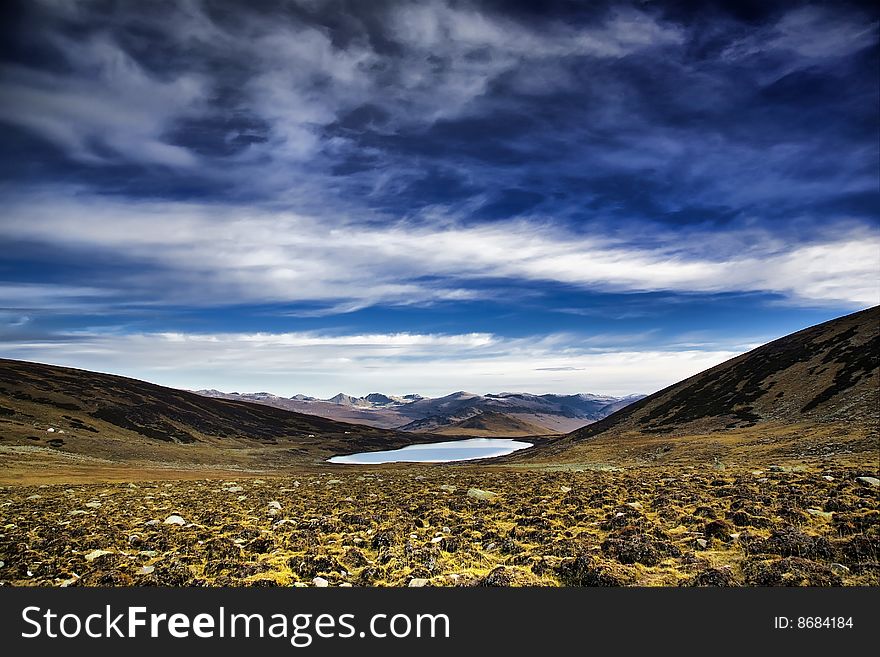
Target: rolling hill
{"x":490,"y":424}
{"x":74,"y":416}
{"x":811,"y":393}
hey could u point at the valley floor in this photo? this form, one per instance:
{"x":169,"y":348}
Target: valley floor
{"x":450,"y":525}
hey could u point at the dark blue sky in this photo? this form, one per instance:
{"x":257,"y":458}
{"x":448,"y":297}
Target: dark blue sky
{"x":430,"y":196}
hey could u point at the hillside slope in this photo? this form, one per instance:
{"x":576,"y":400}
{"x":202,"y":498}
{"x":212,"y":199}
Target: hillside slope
{"x":67,"y":411}
{"x":551,"y":413}
{"x":493,"y":424}
{"x":821,"y":383}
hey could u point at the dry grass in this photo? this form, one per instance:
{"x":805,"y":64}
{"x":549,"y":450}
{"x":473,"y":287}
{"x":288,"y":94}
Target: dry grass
{"x":383,"y":526}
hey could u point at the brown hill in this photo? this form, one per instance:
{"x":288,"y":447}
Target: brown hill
{"x":60,"y":415}
{"x":493,"y":424}
{"x":819,"y":383}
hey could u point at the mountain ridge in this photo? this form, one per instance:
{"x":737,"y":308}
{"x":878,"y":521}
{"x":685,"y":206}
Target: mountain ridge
{"x":548,"y":413}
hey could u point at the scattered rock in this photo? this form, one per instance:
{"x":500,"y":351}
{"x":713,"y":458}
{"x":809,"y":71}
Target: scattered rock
{"x":869,"y":481}
{"x":320,"y":582}
{"x":417,"y":582}
{"x":480,"y":494}
{"x":94,"y":554}
{"x":793,"y":530}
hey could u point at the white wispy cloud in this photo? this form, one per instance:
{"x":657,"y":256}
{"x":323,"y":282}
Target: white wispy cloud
{"x":319,"y":364}
{"x":106,"y":108}
{"x":297,"y":79}
{"x":57,"y":296}
{"x":215,"y":255}
{"x":811,"y":34}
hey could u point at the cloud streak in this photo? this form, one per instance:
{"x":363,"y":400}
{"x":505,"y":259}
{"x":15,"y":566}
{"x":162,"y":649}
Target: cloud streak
{"x":108,"y":109}
{"x":319,"y":364}
{"x":204,"y":255}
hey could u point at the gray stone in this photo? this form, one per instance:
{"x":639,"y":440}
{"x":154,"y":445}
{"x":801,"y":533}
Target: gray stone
{"x":480,"y":494}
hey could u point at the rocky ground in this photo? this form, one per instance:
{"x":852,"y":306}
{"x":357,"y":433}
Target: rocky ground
{"x":451,"y":526}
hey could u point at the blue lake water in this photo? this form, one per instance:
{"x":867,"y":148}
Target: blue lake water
{"x":453,"y":450}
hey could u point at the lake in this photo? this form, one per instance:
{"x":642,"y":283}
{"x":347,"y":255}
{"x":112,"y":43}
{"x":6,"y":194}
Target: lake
{"x":453,"y":450}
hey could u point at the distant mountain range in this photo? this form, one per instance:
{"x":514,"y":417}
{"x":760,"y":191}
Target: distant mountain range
{"x":503,"y":414}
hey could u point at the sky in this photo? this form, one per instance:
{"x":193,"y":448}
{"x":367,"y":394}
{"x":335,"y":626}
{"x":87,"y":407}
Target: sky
{"x":314,"y":197}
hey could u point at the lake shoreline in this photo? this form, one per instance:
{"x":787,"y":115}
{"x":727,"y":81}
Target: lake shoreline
{"x":449,"y":451}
